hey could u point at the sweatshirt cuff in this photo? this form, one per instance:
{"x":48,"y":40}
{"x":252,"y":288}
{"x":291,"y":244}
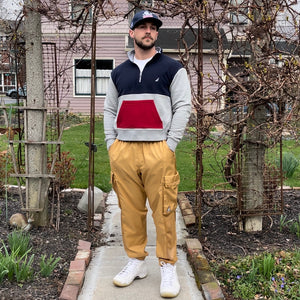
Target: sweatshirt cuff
{"x":172,"y":144}
{"x":109,"y":143}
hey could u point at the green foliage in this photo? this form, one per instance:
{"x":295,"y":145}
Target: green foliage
{"x":17,"y":265}
{"x":292,"y":225}
{"x":19,"y":240}
{"x":64,"y":171}
{"x":8,"y":261}
{"x":265,"y":276}
{"x":295,"y":227}
{"x":283,"y":222}
{"x":266,"y":266}
{"x":3,"y":264}
{"x":244,"y":290}
{"x":23,"y":269}
{"x":289,"y":164}
{"x":3,"y":269}
{"x":48,"y":265}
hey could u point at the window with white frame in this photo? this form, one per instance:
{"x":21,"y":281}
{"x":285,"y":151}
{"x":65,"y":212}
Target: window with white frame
{"x":7,"y":81}
{"x":238,"y":15}
{"x":81,"y":10}
{"x":83,"y":76}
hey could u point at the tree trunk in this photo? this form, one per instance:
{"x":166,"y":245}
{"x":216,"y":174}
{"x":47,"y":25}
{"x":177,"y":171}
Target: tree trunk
{"x":35,"y":123}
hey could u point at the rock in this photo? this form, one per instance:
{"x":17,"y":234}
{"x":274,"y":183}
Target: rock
{"x":99,"y":203}
{"x":20,"y":222}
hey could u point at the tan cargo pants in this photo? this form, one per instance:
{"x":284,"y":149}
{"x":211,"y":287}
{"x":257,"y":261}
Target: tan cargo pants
{"x":141,"y":171}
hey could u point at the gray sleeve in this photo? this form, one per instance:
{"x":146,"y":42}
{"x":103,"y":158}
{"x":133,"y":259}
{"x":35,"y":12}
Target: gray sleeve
{"x":181,"y":107}
{"x":110,"y":112}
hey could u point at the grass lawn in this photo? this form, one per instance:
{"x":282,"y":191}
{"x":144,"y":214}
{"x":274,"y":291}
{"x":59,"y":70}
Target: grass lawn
{"x":75,"y":138}
{"x":74,"y":142}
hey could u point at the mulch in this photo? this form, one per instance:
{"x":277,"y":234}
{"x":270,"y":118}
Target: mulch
{"x":48,"y":241}
{"x":219,"y":236}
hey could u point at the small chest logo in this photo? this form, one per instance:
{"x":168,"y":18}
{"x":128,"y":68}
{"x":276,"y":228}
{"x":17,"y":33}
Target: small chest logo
{"x":157,"y":79}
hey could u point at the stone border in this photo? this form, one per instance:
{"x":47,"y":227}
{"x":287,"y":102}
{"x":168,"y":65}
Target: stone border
{"x":186,"y":209}
{"x":205,"y":279}
{"x":77,"y":270}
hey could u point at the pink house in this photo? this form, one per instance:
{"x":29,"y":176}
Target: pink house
{"x":113,"y":43}
{"x":8,"y":78}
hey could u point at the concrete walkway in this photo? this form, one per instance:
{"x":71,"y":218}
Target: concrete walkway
{"x":108,"y":260}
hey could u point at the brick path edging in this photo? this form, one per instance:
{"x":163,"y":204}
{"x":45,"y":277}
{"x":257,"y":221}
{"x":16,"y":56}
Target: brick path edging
{"x":205,"y":279}
{"x":77,"y":270}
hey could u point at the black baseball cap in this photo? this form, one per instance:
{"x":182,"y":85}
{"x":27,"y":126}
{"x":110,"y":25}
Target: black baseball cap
{"x":145,"y":15}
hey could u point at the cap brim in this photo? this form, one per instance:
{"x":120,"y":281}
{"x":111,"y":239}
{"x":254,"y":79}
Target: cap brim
{"x":157,"y":22}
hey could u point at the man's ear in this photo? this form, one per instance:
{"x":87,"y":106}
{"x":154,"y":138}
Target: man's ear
{"x":131,"y":33}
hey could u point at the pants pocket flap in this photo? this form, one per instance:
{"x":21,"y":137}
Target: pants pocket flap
{"x":170,"y":181}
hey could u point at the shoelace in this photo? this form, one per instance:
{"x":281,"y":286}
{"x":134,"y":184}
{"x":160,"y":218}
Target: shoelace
{"x":167,"y":274}
{"x":129,"y":267}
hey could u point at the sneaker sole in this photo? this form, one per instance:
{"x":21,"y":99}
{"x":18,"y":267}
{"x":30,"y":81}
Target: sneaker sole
{"x":168,"y":295}
{"x":121,"y":284}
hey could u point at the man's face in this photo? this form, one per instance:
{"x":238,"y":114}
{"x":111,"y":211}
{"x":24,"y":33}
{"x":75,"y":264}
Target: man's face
{"x":144,"y":35}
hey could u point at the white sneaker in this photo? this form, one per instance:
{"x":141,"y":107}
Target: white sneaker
{"x":169,"y":286}
{"x":135,"y":268}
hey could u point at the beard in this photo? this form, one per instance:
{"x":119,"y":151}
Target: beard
{"x":143,"y":46}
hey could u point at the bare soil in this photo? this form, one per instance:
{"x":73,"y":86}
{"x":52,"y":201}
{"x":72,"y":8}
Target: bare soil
{"x":219,"y":237}
{"x":46,"y":241}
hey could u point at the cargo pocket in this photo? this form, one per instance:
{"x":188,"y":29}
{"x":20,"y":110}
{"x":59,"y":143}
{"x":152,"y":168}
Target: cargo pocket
{"x":114,"y":183}
{"x":169,"y":193}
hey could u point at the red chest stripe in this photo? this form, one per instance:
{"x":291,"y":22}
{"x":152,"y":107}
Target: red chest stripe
{"x":139,"y":114}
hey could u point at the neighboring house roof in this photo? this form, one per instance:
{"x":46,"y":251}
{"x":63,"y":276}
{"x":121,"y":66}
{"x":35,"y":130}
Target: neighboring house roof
{"x":291,"y":47}
{"x":242,"y":48}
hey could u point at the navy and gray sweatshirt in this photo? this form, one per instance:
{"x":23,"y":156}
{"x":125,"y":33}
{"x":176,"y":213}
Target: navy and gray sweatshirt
{"x":154,"y":105}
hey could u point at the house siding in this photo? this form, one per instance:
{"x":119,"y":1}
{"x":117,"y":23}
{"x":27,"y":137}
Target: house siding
{"x":108,"y":47}
{"x":112,"y":43}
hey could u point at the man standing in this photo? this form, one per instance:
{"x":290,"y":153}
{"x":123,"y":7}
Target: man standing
{"x":146,"y":109}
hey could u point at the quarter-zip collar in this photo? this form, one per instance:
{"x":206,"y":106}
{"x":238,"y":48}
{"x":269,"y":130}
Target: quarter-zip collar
{"x":132,"y":53}
{"x":131,"y":58}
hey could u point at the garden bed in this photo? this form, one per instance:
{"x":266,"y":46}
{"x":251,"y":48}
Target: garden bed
{"x":222,"y":241}
{"x":48,"y":241}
